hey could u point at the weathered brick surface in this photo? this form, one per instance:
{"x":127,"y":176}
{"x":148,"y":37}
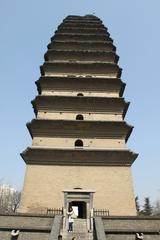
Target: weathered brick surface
{"x":99,"y":227}
{"x":31,"y":227}
{"x":22,"y":221}
{"x":139,"y":224}
{"x":6,"y":235}
{"x":122,"y":228}
{"x":131,"y":237}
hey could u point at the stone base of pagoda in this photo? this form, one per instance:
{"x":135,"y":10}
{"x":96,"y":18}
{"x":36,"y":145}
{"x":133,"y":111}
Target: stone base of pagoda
{"x":44,"y":186}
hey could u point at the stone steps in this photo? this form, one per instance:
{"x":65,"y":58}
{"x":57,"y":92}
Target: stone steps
{"x":78,"y":236}
{"x":79,"y":231}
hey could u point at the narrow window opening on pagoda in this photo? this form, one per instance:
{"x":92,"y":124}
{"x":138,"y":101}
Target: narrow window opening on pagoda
{"x":80,"y":94}
{"x":78,"y":143}
{"x":79,"y":117}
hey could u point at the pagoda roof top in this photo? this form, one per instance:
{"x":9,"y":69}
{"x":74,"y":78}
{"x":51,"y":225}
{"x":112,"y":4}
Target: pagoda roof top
{"x":82,"y":21}
{"x":86,"y":16}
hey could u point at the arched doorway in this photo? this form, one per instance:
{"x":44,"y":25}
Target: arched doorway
{"x":80,"y":208}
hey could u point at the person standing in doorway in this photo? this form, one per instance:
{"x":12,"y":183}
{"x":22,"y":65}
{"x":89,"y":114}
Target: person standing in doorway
{"x":70,"y":220}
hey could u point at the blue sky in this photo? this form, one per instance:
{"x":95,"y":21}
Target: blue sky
{"x":26,"y":28}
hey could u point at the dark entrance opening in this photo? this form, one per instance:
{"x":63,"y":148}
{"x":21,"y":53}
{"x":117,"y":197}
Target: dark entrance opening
{"x":81,"y":208}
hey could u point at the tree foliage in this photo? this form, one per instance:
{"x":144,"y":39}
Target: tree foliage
{"x":147,"y":207}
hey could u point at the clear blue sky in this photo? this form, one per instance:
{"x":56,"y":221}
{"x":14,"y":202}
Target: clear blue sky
{"x":26,"y":28}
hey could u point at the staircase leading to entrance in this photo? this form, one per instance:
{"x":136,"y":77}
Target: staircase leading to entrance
{"x":80,"y":231}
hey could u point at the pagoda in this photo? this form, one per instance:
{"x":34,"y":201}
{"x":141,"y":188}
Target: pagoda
{"x":79,"y":156}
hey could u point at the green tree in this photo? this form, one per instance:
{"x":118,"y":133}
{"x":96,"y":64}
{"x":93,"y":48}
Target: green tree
{"x":147,"y":208}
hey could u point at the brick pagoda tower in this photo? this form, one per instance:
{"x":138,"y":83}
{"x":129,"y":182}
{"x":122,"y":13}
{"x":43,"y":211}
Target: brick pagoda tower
{"x":79,"y":155}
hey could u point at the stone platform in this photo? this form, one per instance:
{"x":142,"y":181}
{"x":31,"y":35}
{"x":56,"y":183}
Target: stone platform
{"x":45,"y":227}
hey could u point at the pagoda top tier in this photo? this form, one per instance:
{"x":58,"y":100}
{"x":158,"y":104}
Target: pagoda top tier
{"x":81,"y":46}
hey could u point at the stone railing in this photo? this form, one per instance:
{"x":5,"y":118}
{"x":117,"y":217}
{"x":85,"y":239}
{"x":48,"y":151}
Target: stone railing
{"x":101,"y":212}
{"x":54,"y":211}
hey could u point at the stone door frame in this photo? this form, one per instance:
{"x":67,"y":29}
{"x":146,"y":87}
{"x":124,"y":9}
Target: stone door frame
{"x":79,"y":195}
